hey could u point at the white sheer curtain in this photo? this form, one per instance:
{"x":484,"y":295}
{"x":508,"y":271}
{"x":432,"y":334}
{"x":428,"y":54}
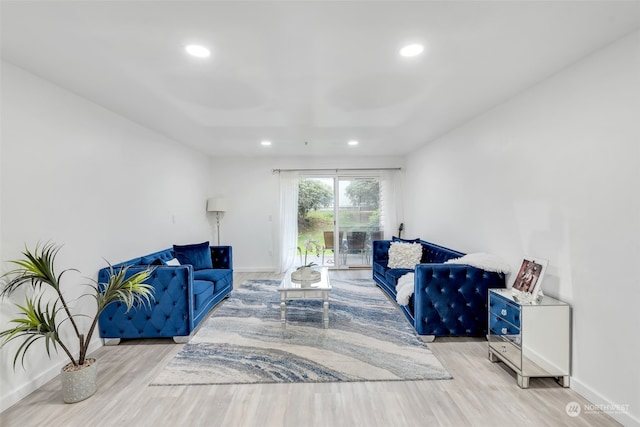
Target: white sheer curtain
{"x":392,"y":202}
{"x":288,"y":226}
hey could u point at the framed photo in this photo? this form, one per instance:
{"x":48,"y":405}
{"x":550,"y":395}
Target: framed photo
{"x":529,"y":277}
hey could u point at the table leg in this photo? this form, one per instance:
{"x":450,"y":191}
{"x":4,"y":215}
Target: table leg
{"x":564,"y":381}
{"x":523,"y":381}
{"x":283,"y":311}
{"x":325,"y":314}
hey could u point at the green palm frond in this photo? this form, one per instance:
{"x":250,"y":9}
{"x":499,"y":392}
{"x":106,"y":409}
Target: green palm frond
{"x":35,"y":269}
{"x":131,"y":291}
{"x":35,"y":323}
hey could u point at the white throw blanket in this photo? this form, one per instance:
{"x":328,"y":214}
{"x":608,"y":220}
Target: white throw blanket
{"x":484,"y":261}
{"x":404,"y":288}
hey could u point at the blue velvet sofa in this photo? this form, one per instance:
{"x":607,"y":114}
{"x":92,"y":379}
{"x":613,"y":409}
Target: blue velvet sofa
{"x":184,"y":294}
{"x":448,"y":299}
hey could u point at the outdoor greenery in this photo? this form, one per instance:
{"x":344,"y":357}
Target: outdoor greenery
{"x":313,"y":195}
{"x":364,"y":193}
{"x":311,"y":230}
{"x":315,"y":212}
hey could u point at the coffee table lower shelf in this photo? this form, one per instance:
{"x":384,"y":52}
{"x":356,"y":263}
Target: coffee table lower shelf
{"x":291,"y":291}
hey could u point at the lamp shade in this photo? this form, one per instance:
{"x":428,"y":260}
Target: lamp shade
{"x":218,"y":204}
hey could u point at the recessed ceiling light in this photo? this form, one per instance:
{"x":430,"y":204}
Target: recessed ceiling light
{"x":197,"y":50}
{"x":266,"y":143}
{"x":353,"y":142}
{"x":412,"y":50}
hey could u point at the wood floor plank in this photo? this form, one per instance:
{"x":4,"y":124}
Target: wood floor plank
{"x":481,"y":394}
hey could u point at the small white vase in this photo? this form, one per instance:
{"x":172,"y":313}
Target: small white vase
{"x":80,"y":384}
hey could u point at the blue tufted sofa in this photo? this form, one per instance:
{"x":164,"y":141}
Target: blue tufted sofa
{"x":448,"y":299}
{"x":183,"y":297}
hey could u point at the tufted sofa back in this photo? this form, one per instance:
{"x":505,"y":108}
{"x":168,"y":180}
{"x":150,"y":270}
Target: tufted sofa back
{"x":221,"y":257}
{"x":434,"y":254}
{"x":431,"y":253}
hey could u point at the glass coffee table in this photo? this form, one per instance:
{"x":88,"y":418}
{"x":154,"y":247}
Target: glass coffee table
{"x":290,"y":290}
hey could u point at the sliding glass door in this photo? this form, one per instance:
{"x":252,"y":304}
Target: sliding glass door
{"x":358,"y":218}
{"x":316,"y":197}
{"x":338,"y":217}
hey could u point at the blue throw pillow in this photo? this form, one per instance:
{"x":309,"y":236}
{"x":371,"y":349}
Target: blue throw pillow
{"x":151,"y":260}
{"x":198,"y":255}
{"x":398,"y":239}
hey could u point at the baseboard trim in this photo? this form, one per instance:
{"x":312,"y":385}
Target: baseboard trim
{"x":41,"y":379}
{"x":599,"y":401}
{"x":26,"y":389}
{"x":255,"y":270}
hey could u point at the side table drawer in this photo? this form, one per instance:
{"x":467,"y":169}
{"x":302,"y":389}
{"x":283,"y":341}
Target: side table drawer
{"x":509,"y":351}
{"x":504,"y":309}
{"x":499,"y":326}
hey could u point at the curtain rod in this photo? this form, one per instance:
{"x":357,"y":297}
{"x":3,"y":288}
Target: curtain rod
{"x":336,"y":170}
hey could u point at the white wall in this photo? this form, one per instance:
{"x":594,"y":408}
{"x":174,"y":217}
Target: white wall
{"x":555,"y":173}
{"x":105,"y":187}
{"x":252,"y":194}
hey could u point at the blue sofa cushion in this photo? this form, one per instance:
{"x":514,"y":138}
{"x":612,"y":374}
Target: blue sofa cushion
{"x":212,"y":275}
{"x":201,"y":286}
{"x":380,"y":267}
{"x":392,"y":275}
{"x":203,"y":290}
{"x":198,"y":255}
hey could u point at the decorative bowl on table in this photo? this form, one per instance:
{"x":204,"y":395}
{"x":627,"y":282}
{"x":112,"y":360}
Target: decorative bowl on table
{"x":305,"y":276}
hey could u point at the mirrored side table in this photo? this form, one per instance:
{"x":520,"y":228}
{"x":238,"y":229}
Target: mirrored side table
{"x":532,"y":339}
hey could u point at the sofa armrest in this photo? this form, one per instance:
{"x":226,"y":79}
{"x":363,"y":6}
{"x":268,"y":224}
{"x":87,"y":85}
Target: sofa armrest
{"x":451,"y":299}
{"x":222,"y":257}
{"x":381,"y":251}
{"x":167,"y":314}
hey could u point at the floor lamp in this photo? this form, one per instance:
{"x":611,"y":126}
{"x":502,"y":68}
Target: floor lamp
{"x":217,"y":205}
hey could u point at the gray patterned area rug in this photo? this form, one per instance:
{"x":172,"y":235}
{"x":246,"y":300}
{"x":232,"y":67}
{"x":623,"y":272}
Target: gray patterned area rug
{"x":243,"y":342}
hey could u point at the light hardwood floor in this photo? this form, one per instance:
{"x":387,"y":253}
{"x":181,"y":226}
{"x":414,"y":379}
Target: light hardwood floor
{"x":481,"y":394}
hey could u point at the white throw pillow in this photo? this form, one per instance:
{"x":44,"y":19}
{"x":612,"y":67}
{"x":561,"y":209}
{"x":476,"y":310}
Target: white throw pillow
{"x":173,"y":261}
{"x":404,"y":255}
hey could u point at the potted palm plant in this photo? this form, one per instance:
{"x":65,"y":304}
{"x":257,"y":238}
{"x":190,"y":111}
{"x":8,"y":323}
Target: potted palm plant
{"x":42,"y":318}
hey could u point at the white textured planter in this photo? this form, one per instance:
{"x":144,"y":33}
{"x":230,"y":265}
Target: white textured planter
{"x":81,"y":384}
{"x":306,"y":276}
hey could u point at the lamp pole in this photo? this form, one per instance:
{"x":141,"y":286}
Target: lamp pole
{"x":218,"y":225}
{"x":217,"y":205}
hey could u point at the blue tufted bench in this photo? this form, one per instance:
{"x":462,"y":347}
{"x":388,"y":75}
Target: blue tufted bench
{"x":448,"y":299}
{"x":183,"y":297}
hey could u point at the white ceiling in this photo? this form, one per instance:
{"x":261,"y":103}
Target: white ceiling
{"x":298,"y":72}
